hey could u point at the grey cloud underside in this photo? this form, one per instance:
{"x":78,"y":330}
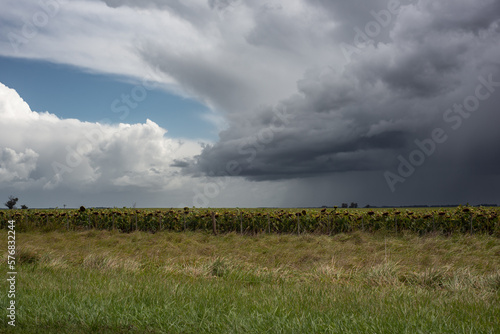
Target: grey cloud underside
{"x":362,"y":116}
{"x":292,"y":157}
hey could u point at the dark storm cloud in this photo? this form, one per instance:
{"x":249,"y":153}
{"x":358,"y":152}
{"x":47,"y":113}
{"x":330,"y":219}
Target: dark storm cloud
{"x":355,"y":119}
{"x":464,"y":15}
{"x":349,"y":15}
{"x":286,"y":31}
{"x":307,"y":135}
{"x":427,"y":70}
{"x":361,"y":117}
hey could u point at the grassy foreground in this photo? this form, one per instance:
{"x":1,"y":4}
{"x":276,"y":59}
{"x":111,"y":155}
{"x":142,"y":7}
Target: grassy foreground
{"x":109,"y":282}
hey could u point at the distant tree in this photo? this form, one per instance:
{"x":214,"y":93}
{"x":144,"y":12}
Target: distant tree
{"x":344,"y":206}
{"x":11,"y":203}
{"x":367,"y":206}
{"x":24,"y":207}
{"x":353,"y":205}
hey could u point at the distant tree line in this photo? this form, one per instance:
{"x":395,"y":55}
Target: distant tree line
{"x":352,"y":205}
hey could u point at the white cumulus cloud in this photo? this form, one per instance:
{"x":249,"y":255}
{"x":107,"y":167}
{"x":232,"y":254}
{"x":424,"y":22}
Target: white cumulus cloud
{"x":16,"y":166}
{"x":42,"y":150}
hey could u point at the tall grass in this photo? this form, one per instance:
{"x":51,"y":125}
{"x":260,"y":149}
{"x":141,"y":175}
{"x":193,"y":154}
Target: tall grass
{"x":107,"y":282}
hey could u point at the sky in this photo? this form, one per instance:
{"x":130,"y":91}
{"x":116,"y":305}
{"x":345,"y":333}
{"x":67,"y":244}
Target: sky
{"x":239,"y":103}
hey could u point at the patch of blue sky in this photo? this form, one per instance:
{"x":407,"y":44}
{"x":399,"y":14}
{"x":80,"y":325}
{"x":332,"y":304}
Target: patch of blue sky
{"x":69,"y":92}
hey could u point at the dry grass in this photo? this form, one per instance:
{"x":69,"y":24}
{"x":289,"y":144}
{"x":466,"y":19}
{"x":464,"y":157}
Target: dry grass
{"x":380,"y":259}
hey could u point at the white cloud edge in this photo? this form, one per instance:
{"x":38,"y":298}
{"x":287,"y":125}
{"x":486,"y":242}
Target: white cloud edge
{"x":42,"y":150}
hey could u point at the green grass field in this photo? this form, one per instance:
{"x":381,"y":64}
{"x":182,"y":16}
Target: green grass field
{"x":194,"y":282}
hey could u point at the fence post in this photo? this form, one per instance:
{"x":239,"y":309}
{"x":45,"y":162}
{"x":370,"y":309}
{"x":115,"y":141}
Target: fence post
{"x":329,"y":224}
{"x":298,"y":223}
{"x":241,"y":224}
{"x":214,"y":223}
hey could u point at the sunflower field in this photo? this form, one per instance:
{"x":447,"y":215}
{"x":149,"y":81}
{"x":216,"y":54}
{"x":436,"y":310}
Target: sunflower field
{"x":253,"y":221}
